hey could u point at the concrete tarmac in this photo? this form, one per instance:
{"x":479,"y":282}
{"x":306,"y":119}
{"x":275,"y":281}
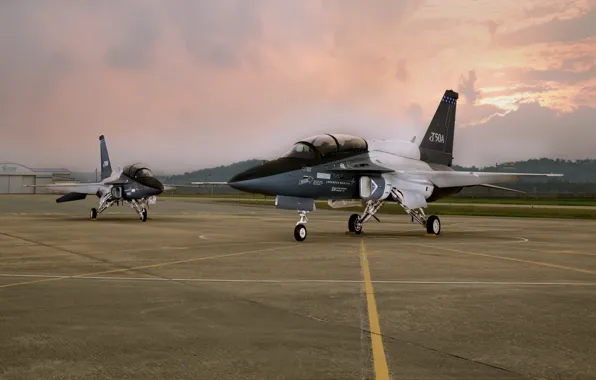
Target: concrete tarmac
{"x":215,"y":291}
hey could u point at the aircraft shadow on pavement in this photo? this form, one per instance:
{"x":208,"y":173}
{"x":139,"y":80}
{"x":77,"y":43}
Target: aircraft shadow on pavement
{"x":127,"y":219}
{"x":419,"y":235}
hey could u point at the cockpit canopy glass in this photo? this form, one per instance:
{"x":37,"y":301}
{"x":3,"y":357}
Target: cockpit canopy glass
{"x":351,"y":143}
{"x":301,"y":150}
{"x":327,"y":146}
{"x":137,"y":171}
{"x":324,"y":144}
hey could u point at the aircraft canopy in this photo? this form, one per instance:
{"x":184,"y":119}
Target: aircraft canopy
{"x":137,"y":171}
{"x":327,"y":145}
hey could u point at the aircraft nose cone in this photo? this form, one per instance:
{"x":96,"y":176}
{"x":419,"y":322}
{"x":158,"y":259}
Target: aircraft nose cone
{"x":264,"y":178}
{"x":247,"y":185}
{"x":153,"y":183}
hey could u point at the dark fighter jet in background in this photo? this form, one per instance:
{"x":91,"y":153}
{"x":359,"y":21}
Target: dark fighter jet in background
{"x":134,"y":185}
{"x":351,"y":171}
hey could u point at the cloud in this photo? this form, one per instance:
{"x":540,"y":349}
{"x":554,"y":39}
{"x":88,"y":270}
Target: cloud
{"x":587,"y":96}
{"x":219,"y":33}
{"x":562,"y":75}
{"x":467,"y":86}
{"x":554,"y":30}
{"x":532,"y":131}
{"x":188,"y":84}
{"x":414,"y":112}
{"x":140,"y":34}
{"x":493,"y":26}
{"x":402,"y":72}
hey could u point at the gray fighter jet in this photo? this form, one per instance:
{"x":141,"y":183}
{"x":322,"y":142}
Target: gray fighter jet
{"x":135,"y":185}
{"x":350,"y":171}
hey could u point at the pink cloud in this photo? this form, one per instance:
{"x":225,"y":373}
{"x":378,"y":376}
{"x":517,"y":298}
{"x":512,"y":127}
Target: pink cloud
{"x":190,"y":84}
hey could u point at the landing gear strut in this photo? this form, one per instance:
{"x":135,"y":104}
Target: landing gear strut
{"x":300,"y":229}
{"x":106,"y":201}
{"x":432,"y":223}
{"x":356,"y":221}
{"x":141,"y":208}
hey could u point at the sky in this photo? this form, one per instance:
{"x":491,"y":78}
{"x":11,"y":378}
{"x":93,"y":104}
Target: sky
{"x":187,"y":84}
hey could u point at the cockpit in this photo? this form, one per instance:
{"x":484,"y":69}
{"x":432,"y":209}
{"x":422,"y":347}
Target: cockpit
{"x":137,"y":171}
{"x":325,"y":146}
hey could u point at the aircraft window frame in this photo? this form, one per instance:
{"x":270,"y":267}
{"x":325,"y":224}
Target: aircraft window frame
{"x":319,"y":141}
{"x":144,"y":172}
{"x":310,"y":153}
{"x":349,"y":143}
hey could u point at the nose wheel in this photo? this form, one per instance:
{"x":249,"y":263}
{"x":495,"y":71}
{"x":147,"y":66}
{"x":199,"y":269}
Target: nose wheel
{"x":93,"y":214}
{"x":144,"y":215}
{"x":300,"y":232}
{"x":300,"y":229}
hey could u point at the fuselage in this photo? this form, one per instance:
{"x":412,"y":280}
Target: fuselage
{"x":133,"y":182}
{"x":313,"y":172}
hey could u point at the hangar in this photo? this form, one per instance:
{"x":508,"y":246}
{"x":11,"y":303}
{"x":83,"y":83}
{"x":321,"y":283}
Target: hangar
{"x":14,"y":176}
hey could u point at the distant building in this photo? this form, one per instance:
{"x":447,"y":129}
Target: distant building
{"x":14,"y":176}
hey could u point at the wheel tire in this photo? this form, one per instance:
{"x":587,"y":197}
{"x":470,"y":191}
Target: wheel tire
{"x":433,"y":225}
{"x":144,"y":215}
{"x":93,"y":214}
{"x":353,"y":224}
{"x":300,"y":232}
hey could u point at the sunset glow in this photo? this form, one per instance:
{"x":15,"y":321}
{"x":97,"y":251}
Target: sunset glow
{"x":188,"y":74}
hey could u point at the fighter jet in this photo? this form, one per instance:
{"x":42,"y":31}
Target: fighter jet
{"x":350,"y":171}
{"x":135,"y":185}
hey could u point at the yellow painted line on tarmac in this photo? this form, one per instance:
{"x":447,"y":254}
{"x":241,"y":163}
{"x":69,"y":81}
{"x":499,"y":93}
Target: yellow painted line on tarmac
{"x":144,"y":266}
{"x":379,"y":359}
{"x":532,"y":262}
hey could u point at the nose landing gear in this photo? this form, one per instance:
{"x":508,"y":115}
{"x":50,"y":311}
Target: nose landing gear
{"x":300,"y":229}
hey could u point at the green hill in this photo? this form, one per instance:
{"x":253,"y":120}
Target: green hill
{"x":574,"y":171}
{"x":217,"y":174}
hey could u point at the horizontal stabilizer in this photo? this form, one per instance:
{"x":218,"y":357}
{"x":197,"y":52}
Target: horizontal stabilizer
{"x":72,"y":187}
{"x":502,"y":188}
{"x":71,"y":197}
{"x":444,"y":178}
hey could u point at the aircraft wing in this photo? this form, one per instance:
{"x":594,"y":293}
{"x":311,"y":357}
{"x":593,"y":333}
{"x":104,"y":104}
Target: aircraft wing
{"x":501,"y":188}
{"x":464,"y":179}
{"x":168,"y":187}
{"x":82,"y":188}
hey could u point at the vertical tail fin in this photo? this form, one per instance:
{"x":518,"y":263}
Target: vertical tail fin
{"x":106,"y":165}
{"x":437,"y":145}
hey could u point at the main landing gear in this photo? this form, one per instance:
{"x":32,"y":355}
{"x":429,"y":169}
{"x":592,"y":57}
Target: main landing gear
{"x":356,"y":222}
{"x":106,"y":201}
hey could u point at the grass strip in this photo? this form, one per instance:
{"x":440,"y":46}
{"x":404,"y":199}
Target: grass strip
{"x":437,"y":209}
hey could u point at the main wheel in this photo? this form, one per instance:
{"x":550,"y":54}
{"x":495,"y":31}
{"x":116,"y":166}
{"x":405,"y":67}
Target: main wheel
{"x":93,"y":214}
{"x":300,"y":232}
{"x":354,"y":224}
{"x":144,"y":215}
{"x":433,"y":225}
